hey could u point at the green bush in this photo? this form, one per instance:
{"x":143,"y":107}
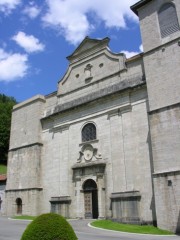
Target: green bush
{"x":49,"y":226}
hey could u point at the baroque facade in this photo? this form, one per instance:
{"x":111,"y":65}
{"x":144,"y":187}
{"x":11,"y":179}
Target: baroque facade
{"x":107,"y":143}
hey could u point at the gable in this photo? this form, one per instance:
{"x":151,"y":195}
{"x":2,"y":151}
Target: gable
{"x":87,"y":47}
{"x":83,"y":76}
{"x":94,"y":67}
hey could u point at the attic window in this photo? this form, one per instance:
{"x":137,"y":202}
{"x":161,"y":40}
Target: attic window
{"x":168,"y":20}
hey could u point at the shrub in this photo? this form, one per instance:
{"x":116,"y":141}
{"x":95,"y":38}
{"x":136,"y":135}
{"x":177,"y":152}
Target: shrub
{"x":49,"y":226}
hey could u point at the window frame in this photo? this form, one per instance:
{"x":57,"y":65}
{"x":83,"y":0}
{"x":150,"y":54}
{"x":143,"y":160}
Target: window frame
{"x":168,"y":28}
{"x":86,"y":132}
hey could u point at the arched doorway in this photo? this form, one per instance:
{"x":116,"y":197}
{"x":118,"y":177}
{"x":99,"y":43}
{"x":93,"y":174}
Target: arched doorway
{"x":19,"y":205}
{"x":90,"y":199}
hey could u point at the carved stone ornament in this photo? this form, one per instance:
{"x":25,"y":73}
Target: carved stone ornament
{"x":88,"y":152}
{"x":87,"y":71}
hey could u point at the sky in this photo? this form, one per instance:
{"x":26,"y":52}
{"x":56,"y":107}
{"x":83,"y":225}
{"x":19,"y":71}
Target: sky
{"x":37,"y":36}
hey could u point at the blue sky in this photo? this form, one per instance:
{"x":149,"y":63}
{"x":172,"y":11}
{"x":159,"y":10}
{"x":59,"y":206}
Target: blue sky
{"x":37,"y":36}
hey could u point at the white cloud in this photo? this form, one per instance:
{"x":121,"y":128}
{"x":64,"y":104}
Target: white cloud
{"x":3,"y":54}
{"x":131,"y":54}
{"x":141,"y":48}
{"x":28,"y":42}
{"x":70,"y":17}
{"x":7,"y":6}
{"x":12,"y":66}
{"x":32,"y":11}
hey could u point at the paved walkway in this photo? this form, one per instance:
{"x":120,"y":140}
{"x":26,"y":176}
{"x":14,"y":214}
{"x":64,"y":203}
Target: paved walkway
{"x":86,"y":233}
{"x":13,"y":229}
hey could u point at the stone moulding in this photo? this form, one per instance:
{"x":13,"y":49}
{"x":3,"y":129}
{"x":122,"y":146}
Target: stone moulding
{"x":138,"y":5}
{"x":118,"y":87}
{"x":159,"y":110}
{"x":26,"y":146}
{"x":24,"y":189}
{"x":89,"y":164}
{"x":94,"y":168}
{"x":81,"y":51}
{"x":61,"y":199}
{"x":37,"y":98}
{"x":60,"y":128}
{"x":92,"y":83}
{"x":88,"y":152}
{"x":125,"y":206}
{"x":89,"y":142}
{"x":166,"y":173}
{"x":129,"y":194}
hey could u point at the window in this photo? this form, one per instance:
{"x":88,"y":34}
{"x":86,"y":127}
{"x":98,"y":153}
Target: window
{"x":168,"y":20}
{"x":88,"y":132}
{"x":19,"y":205}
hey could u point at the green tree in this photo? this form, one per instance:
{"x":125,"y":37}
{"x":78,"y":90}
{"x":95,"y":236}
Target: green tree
{"x":6,"y":105}
{"x":49,"y":226}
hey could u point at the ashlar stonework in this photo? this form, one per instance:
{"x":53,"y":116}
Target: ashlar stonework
{"x":106,"y":144}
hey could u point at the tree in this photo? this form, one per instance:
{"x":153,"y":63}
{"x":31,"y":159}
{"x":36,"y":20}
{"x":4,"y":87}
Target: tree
{"x":6,"y":105}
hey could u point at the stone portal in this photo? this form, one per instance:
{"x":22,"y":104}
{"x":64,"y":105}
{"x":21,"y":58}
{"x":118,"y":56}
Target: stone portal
{"x":90,"y":199}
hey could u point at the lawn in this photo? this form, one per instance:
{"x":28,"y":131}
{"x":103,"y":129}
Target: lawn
{"x":3,"y":169}
{"x":145,"y":229}
{"x":25,"y":217}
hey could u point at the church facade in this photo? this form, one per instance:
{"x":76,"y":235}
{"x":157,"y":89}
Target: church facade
{"x":107,"y":143}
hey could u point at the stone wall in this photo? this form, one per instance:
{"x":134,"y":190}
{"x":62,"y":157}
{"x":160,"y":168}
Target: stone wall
{"x":25,"y":125}
{"x":24,"y":160}
{"x":161,"y":63}
{"x":162,"y":70}
{"x":149,"y":24}
{"x":167,"y":195}
{"x":31,"y":201}
{"x":24,"y":167}
{"x":162,"y":75}
{"x":165,"y":136}
{"x":122,"y":132}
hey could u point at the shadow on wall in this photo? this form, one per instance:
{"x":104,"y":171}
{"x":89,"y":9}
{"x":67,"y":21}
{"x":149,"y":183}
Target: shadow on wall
{"x":178,"y":225}
{"x":153,"y":203}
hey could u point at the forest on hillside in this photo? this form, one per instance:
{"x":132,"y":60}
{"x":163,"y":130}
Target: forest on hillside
{"x":6,"y":106}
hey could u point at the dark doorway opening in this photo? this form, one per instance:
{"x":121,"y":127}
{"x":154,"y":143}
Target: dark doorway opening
{"x":19,"y":205}
{"x":90,"y":199}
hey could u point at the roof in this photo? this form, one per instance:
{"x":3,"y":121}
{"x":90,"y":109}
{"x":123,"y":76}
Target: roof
{"x":3,"y":177}
{"x":87,"y":46}
{"x":139,"y":4}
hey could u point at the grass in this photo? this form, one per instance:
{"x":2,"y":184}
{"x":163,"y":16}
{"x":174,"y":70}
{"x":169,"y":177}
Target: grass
{"x":145,"y":229}
{"x":3,"y":169}
{"x":25,"y":217}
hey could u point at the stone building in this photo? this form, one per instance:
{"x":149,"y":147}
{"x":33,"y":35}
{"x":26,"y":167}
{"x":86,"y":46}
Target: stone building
{"x":107,"y":143}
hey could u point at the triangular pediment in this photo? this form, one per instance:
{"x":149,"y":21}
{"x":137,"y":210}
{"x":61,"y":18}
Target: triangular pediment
{"x":87,"y":45}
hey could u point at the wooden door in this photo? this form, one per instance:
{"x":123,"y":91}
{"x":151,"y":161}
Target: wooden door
{"x":88,"y":204}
